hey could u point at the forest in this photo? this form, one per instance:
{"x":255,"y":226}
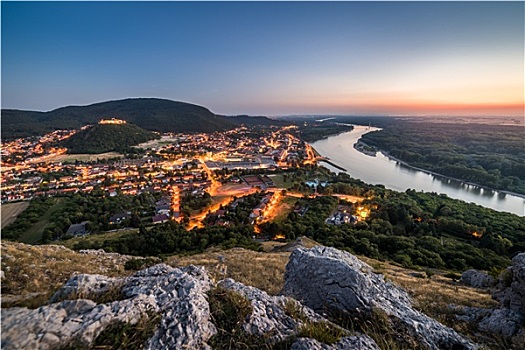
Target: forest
{"x":489,"y":155}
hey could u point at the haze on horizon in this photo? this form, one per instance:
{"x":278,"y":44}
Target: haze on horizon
{"x":278,"y":58}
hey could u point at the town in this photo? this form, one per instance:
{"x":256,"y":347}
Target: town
{"x":194,"y":176}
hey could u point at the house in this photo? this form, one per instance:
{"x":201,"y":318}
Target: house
{"x":119,"y":217}
{"x":160,"y":218}
{"x":78,"y":229}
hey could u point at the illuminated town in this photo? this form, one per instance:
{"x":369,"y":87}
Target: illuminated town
{"x":225,"y":166}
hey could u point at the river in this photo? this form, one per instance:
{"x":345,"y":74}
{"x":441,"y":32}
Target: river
{"x":396,"y":176}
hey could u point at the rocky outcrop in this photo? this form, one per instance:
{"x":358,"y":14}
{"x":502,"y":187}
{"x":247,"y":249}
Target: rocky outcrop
{"x":477,"y":279}
{"x":178,"y":295}
{"x":272,"y":319}
{"x":353,"y":342}
{"x":335,"y":282}
{"x":511,"y":293}
{"x":508,"y":320}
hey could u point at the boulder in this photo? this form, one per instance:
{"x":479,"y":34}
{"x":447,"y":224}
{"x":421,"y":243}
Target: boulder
{"x":336,"y":282}
{"x":177,"y":295}
{"x":508,"y":319}
{"x":512,"y":286}
{"x":270,"y":319}
{"x":477,"y":279}
{"x":358,"y":342}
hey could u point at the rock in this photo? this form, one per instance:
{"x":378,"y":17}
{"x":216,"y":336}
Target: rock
{"x":512,"y":290}
{"x":504,"y":322}
{"x":476,"y":279}
{"x":178,"y":295}
{"x":508,"y":320}
{"x":270,"y":319}
{"x":336,"y":282}
{"x":83,"y":286}
{"x":357,"y":342}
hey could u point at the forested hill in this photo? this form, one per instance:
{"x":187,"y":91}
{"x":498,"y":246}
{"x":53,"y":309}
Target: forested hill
{"x":254,"y":121}
{"x":102,"y":138}
{"x":148,"y":113}
{"x":488,"y":155}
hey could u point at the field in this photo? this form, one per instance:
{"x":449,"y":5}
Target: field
{"x":11,"y":210}
{"x":278,"y":180}
{"x":70,"y":243}
{"x":70,"y":158}
{"x":34,"y":233}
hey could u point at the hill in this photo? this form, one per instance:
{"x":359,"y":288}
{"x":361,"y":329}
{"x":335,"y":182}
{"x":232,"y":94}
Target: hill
{"x":102,"y":138}
{"x":25,"y":284}
{"x":256,"y":121}
{"x":148,"y":113}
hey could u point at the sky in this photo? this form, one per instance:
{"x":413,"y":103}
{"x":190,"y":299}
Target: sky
{"x":273,"y":58}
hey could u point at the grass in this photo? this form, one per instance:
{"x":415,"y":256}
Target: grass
{"x":229,"y":310}
{"x":278,"y":180}
{"x":34,"y":233}
{"x":10,"y":211}
{"x":389,"y":334}
{"x":34,"y":273}
{"x":71,"y":158}
{"x":323,"y":331}
{"x":261,"y":270}
{"x":98,"y":238}
{"x":124,"y":336}
{"x":286,"y":205}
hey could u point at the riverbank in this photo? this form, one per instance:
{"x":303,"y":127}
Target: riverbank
{"x":396,"y":175}
{"x":391,"y":157}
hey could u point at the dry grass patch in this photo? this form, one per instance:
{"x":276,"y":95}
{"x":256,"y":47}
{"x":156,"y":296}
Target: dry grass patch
{"x":33,"y":273}
{"x":261,"y":270}
{"x":10,"y":212}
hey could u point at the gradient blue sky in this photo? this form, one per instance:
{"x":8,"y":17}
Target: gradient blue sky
{"x":355,"y":58}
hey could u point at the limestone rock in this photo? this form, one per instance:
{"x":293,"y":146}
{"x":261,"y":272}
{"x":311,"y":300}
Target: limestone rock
{"x":270,"y":319}
{"x":329,"y":280}
{"x":357,"y":342}
{"x":83,"y":286}
{"x":178,"y":295}
{"x":508,"y":320}
{"x":477,"y":279}
{"x":513,"y":295}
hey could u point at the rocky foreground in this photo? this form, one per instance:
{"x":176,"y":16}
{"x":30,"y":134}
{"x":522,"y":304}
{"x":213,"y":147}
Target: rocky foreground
{"x":330,"y":300}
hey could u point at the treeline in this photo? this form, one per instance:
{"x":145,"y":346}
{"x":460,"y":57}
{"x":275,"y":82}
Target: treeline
{"x":36,"y":209}
{"x":413,"y":229}
{"x":318,"y":131}
{"x":97,"y":208}
{"x":172,"y":238}
{"x":395,"y":232}
{"x":488,"y":155}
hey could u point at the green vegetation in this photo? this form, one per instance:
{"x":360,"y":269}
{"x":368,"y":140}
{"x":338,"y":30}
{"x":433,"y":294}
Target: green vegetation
{"x":127,"y":336}
{"x":173,"y":238}
{"x":32,"y":222}
{"x":488,"y":155}
{"x":317,"y":131}
{"x":411,"y":228}
{"x":148,"y":113}
{"x":103,"y":138}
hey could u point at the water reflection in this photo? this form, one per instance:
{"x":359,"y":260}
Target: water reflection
{"x":397,"y":176}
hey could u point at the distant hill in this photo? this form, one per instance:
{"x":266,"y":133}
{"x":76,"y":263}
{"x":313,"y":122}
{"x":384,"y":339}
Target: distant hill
{"x":102,"y":138}
{"x":259,"y":120}
{"x":148,"y":113}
